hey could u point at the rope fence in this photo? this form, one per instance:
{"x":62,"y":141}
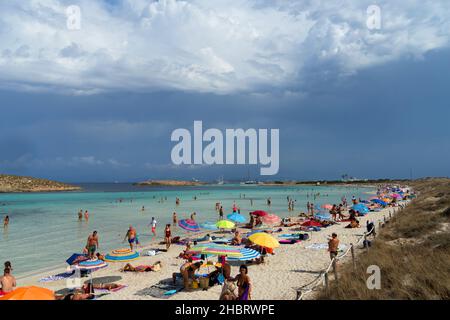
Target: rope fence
{"x":323,"y":277}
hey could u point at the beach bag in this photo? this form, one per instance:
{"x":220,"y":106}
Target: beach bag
{"x":221,"y":278}
{"x":204,"y":283}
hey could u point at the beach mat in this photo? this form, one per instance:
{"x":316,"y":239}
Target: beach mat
{"x":160,"y":290}
{"x":57,"y":277}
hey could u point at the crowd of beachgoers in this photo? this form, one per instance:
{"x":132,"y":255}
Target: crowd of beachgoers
{"x":211,"y":256}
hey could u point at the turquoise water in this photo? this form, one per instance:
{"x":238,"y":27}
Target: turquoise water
{"x":44,"y":229}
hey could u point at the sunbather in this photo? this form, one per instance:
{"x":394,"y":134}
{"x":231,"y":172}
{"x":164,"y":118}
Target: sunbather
{"x":237,"y":240}
{"x":142,"y":268}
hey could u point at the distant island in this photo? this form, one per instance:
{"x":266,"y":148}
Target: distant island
{"x":11,"y":183}
{"x":175,"y":183}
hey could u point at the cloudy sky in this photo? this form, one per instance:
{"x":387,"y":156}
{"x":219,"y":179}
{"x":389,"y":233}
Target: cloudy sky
{"x":96,"y":98}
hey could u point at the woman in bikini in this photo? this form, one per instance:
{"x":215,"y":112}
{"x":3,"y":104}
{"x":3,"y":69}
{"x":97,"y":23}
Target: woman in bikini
{"x":168,"y":236}
{"x":244,"y":283}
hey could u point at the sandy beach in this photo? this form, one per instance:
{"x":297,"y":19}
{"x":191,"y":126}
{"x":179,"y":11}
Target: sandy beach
{"x":292,"y":266}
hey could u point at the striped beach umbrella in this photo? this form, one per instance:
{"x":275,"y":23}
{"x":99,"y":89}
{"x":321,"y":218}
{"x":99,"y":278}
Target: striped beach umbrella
{"x":91,"y":265}
{"x":225,"y":224}
{"x":236,"y":217}
{"x":122,"y":255}
{"x":247,"y":254}
{"x":218,"y":250}
{"x":271,"y":219}
{"x":189,"y":225}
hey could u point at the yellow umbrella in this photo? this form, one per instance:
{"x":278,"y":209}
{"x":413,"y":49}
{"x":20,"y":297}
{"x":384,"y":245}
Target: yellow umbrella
{"x":265,"y":240}
{"x":225,"y":224}
{"x":29,"y":293}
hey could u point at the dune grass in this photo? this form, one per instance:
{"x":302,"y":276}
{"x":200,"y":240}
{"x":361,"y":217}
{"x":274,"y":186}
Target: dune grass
{"x":412,"y":251}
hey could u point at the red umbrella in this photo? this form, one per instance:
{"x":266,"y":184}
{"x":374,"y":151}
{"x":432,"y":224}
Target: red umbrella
{"x":327,"y":206}
{"x":311,"y":223}
{"x":271,"y":219}
{"x":259,"y":213}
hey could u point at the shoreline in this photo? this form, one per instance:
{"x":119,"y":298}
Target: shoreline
{"x":291,"y":267}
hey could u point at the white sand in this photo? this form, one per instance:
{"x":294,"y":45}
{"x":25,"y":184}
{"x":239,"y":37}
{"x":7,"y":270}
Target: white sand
{"x":291,"y":267}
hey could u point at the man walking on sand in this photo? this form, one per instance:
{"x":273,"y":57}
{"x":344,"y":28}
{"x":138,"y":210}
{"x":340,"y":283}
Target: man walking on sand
{"x":92,"y":244}
{"x":333,"y":246}
{"x":131,"y":235}
{"x":153,"y":223}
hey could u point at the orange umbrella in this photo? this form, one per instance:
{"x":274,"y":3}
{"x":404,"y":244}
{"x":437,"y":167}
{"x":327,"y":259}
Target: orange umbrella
{"x":30,"y":293}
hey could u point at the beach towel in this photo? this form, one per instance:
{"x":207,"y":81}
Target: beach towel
{"x":288,"y":241}
{"x":290,"y":235}
{"x":58,"y":276}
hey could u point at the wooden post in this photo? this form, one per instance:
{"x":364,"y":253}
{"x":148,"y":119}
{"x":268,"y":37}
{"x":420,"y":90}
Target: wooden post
{"x":326,"y":281}
{"x":353,"y":256}
{"x":365,"y":242}
{"x":335,"y":271}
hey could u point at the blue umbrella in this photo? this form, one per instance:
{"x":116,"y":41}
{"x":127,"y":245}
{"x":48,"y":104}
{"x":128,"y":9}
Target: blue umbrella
{"x":76,"y":256}
{"x":236,"y":217}
{"x":247,"y":254}
{"x":209,"y":225}
{"x":379,"y":202}
{"x":323,"y":216}
{"x":361,"y":208}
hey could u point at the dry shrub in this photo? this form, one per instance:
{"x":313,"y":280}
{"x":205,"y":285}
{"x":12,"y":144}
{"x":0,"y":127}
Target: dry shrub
{"x":409,"y":270}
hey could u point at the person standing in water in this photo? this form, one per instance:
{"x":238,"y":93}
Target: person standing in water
{"x":86,"y":215}
{"x":174,"y":218}
{"x":6,"y":222}
{"x":221,"y":213}
{"x":80,"y":215}
{"x":193,"y":216}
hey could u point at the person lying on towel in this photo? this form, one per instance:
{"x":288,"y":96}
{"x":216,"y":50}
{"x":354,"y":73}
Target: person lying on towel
{"x":142,"y":268}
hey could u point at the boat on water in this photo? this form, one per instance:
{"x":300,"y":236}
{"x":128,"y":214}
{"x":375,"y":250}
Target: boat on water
{"x":220,"y":181}
{"x":249,"y":182}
